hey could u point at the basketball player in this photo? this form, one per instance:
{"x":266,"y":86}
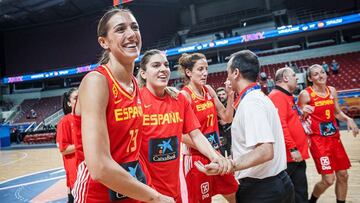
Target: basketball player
{"x":206,"y":107}
{"x":166,"y":117}
{"x":319,"y":101}
{"x":111,"y":119}
{"x":65,"y":139}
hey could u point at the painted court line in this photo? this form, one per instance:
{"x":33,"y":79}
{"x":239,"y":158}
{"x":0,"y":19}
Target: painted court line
{"x":30,"y":174}
{"x":16,"y":160}
{"x":56,"y":172}
{"x":31,"y":183}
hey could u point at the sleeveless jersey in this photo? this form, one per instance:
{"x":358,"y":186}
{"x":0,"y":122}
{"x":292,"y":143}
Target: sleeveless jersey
{"x":124,"y":121}
{"x":323,"y":120}
{"x":205,"y":111}
{"x":165,"y":120}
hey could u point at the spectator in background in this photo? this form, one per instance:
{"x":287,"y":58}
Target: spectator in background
{"x":263,"y":76}
{"x":224,"y":128}
{"x":65,"y":139}
{"x":295,"y":137}
{"x":263,"y":83}
{"x":335,"y":67}
{"x":294,"y":66}
{"x":33,"y":113}
{"x":270,"y":84}
{"x":325,"y":67}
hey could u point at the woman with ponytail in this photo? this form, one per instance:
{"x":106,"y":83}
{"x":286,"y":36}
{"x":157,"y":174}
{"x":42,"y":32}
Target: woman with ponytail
{"x":65,"y":136}
{"x":167,"y":116}
{"x":111,"y":113}
{"x":207,"y":107}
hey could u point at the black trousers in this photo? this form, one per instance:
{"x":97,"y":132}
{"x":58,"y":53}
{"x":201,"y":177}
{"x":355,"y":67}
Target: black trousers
{"x":275,"y":189}
{"x":297,"y":173}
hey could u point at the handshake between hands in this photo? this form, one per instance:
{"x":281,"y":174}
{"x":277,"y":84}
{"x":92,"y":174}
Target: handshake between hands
{"x":218,"y":166}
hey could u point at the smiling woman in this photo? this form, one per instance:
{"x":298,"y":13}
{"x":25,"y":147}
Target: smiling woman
{"x":164,"y":126}
{"x":110,"y":107}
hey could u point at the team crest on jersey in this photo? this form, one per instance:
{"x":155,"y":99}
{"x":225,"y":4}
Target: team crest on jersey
{"x":115,"y":90}
{"x":163,"y":149}
{"x":313,"y":94}
{"x":193,"y":96}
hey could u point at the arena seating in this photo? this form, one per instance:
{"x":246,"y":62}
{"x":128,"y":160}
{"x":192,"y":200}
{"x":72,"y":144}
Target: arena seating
{"x":348,"y":74}
{"x":25,"y":108}
{"x":6,"y":105}
{"x":346,"y":79}
{"x":43,"y":107}
{"x":40,"y":138}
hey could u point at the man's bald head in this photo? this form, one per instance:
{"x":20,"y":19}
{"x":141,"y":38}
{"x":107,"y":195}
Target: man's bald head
{"x":280,"y":73}
{"x":286,"y":78}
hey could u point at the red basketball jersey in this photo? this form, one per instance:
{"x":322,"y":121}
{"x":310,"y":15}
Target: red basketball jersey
{"x":124,"y":122}
{"x":165,"y":120}
{"x":323,"y":118}
{"x":65,"y":135}
{"x":205,"y":111}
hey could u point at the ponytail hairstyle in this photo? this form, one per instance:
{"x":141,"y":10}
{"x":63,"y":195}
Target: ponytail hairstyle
{"x":187,"y":62}
{"x":308,"y":73}
{"x":66,"y":99}
{"x":103,"y":29}
{"x":144,"y":61}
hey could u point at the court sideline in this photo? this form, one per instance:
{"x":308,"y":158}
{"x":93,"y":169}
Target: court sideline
{"x":15,"y":165}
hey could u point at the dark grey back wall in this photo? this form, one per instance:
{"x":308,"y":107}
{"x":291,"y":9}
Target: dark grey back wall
{"x":74,"y":43}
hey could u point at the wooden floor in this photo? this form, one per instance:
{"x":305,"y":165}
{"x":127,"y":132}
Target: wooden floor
{"x":17,"y":163}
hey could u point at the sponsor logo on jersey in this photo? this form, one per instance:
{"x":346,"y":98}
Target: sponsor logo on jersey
{"x":135,"y":170}
{"x":213,"y":138}
{"x":163,"y":149}
{"x":327,"y":128}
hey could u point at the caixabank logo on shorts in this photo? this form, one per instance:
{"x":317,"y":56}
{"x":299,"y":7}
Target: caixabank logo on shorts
{"x":163,"y":149}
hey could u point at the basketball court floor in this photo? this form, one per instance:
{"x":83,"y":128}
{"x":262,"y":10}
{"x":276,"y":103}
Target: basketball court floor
{"x":36,"y":175}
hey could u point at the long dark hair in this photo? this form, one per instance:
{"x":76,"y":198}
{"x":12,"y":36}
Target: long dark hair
{"x":103,"y":29}
{"x":66,"y":98}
